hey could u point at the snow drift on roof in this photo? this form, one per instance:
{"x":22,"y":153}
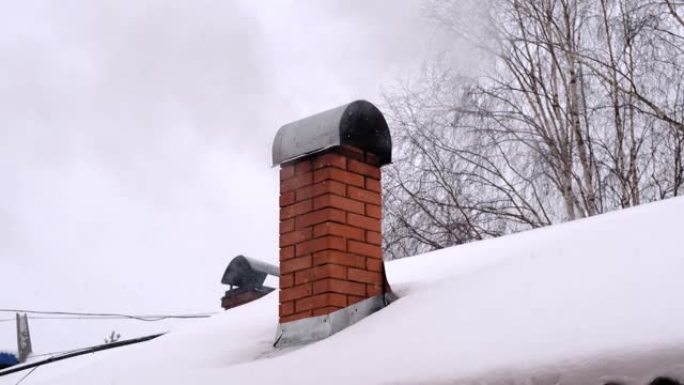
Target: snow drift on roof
{"x":585,"y":302}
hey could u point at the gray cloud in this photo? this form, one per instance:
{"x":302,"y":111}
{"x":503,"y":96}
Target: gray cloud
{"x":135,"y":136}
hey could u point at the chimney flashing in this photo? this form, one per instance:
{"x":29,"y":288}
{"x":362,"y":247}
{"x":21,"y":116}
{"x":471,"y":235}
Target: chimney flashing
{"x":358,"y":124}
{"x":304,"y":331}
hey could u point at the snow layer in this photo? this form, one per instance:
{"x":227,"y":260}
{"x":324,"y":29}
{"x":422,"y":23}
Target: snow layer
{"x":592,"y":300}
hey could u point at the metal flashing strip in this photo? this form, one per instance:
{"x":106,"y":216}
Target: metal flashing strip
{"x":313,"y":329}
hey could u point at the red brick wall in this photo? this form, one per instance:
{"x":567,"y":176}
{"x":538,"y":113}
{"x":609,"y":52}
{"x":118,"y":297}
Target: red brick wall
{"x":330,"y":232}
{"x":231,"y":300}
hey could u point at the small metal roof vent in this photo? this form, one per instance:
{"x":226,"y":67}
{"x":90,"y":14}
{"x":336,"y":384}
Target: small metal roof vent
{"x":246,"y":277}
{"x":248,"y":272}
{"x":359,"y":124}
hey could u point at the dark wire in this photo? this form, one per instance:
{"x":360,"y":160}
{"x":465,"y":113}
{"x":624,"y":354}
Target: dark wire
{"x":75,"y":353}
{"x":98,"y":318}
{"x":54,"y":353}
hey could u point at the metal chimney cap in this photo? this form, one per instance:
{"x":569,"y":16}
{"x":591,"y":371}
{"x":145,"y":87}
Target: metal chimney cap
{"x":359,"y":124}
{"x":248,"y":272}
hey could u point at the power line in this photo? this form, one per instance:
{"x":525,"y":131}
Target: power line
{"x":74,"y":353}
{"x":26,"y":375}
{"x":96,"y":318}
{"x":86,"y":315}
{"x":53,"y":353}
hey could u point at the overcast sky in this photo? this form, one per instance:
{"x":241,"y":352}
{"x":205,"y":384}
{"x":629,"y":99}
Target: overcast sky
{"x":135,"y":137}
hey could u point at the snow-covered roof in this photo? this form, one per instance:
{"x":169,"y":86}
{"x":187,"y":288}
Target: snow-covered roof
{"x":587,"y":302}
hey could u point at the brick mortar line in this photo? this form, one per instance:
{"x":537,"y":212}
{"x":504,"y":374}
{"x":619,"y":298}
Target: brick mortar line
{"x":314,"y":170}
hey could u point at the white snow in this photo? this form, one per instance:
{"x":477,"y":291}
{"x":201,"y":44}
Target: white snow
{"x":583,"y":302}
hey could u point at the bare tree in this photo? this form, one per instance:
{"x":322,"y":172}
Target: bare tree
{"x":581,"y":112}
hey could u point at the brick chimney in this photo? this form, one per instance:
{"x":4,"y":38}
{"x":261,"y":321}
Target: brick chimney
{"x":331,"y":211}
